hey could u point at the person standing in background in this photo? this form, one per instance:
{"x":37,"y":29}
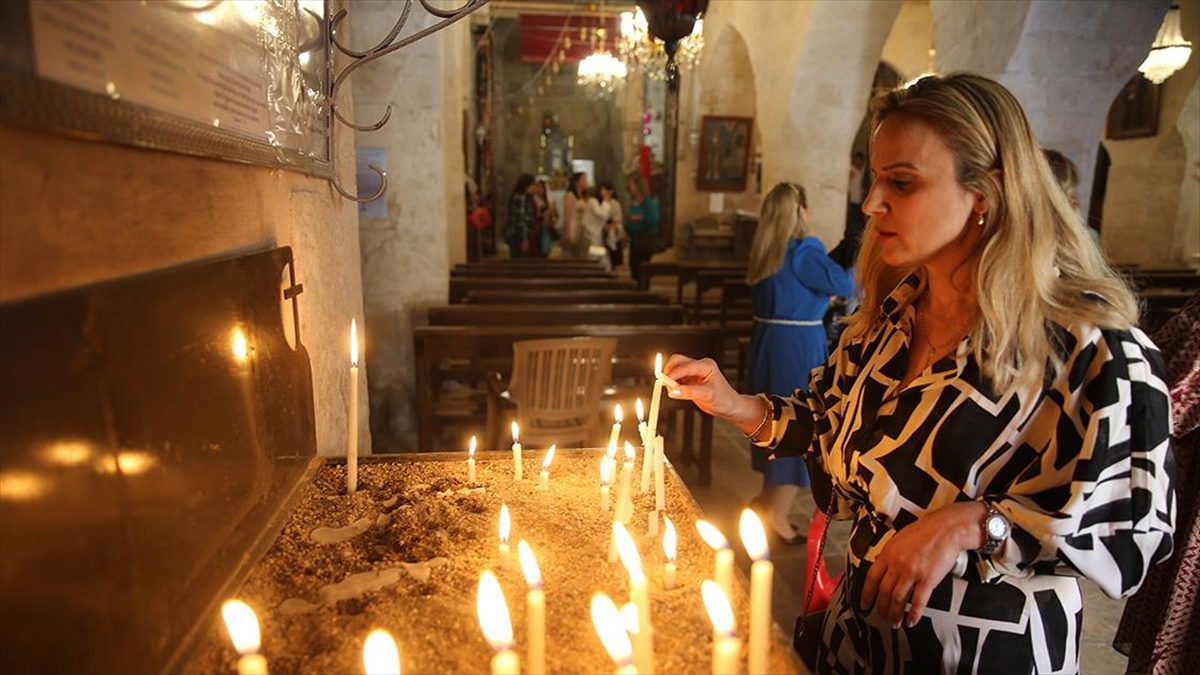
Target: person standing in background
{"x":641,"y":223}
{"x":521,"y":216}
{"x":574,"y":203}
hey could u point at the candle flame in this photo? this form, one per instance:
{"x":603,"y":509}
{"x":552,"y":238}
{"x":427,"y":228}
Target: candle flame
{"x":607,"y":621}
{"x":505,"y":523}
{"x":629,"y":617}
{"x":529,"y":565}
{"x":630,"y":453}
{"x":516,"y":432}
{"x":720,"y":613}
{"x":493,"y":612}
{"x":22,"y":486}
{"x":605,"y":471}
{"x":68,"y":453}
{"x":241,"y":351}
{"x":754,"y":537}
{"x":381,"y":656}
{"x":711,"y":535}
{"x":549,"y":457}
{"x":669,"y":539}
{"x":242,"y":625}
{"x":658,"y":365}
{"x":353,"y":343}
{"x":471,"y":448}
{"x":641,"y":410}
{"x":627,"y":551}
{"x":618,"y":414}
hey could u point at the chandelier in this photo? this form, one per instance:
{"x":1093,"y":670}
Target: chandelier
{"x":641,"y":51}
{"x":1170,"y":51}
{"x":600,"y":72}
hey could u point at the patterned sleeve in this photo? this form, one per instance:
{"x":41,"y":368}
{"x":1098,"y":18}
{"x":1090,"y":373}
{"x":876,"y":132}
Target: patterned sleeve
{"x":1098,"y":501}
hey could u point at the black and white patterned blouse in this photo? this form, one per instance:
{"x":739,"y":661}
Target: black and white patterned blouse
{"x":1080,"y":467}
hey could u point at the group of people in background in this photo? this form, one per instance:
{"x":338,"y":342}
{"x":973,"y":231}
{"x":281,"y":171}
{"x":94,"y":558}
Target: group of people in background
{"x":590,"y":220}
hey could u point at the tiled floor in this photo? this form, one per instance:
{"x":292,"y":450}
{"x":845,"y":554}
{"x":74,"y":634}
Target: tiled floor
{"x":734,"y":483}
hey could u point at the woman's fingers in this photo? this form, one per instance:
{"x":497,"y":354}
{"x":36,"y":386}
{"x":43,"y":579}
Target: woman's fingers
{"x":680,"y":367}
{"x":871,"y":585}
{"x":899,"y":596}
{"x":920,"y":599}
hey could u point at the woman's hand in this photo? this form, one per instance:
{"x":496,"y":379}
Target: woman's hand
{"x":918,"y":557}
{"x":702,"y":383}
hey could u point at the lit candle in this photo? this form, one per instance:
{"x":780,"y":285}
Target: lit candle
{"x":242,"y":625}
{"x":655,"y":397}
{"x":607,"y":621}
{"x":516,"y":450}
{"x":726,"y":646}
{"x":544,"y":482}
{"x":660,"y":480}
{"x":505,"y":528}
{"x":618,"y":416}
{"x":669,"y":544}
{"x":754,"y":538}
{"x":496,"y":624}
{"x":723,"y":568}
{"x":471,"y":461}
{"x":535,"y":609}
{"x":352,"y":443}
{"x":643,"y":644}
{"x":647,"y":448}
{"x":605,"y":477}
{"x":624,"y":498}
{"x":381,"y":656}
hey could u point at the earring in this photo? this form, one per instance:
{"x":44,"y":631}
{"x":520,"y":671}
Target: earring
{"x":980,"y":221}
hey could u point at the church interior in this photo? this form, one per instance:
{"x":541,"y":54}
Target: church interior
{"x":295,"y":333}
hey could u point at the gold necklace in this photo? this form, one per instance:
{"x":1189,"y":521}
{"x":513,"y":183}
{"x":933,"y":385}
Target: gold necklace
{"x":932,"y":347}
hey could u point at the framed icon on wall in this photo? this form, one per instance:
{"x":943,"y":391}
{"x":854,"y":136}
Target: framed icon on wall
{"x":724,"y":153}
{"x":1134,"y":113}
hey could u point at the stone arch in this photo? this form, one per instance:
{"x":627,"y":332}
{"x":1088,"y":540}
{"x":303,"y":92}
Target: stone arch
{"x":1186,"y":246}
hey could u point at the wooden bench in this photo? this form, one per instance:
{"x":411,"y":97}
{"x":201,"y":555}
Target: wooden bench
{"x":547,"y":262}
{"x":737,"y":323}
{"x":459,"y":287}
{"x":532,"y":272}
{"x":555,"y":314}
{"x":689,"y":269}
{"x":657,"y":268}
{"x":563,"y":297}
{"x":467,"y":355}
{"x":707,"y":280}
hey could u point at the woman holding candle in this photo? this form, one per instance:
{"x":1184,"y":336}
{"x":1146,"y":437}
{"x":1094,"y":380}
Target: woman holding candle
{"x":791,"y":280}
{"x":992,"y":421}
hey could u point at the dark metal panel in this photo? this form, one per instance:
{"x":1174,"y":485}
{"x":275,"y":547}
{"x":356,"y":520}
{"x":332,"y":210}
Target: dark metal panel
{"x":140,"y":461}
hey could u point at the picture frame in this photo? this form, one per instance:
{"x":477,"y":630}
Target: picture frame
{"x":725,"y":149}
{"x":1134,"y":112}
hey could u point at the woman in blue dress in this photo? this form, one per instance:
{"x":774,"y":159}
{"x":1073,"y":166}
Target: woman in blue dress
{"x":791,"y":280}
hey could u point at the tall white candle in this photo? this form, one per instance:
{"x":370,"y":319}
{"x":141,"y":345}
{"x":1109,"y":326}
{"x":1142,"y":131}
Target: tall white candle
{"x":381,"y":656}
{"x":544,"y":476}
{"x":726,"y":646}
{"x":496,"y":624}
{"x":639,"y":595}
{"x":660,"y":480}
{"x":647,"y":447}
{"x":242,"y":625}
{"x":605,"y":478}
{"x":607,"y":620}
{"x":614,"y":438}
{"x":723,"y":563}
{"x":471,"y":461}
{"x":505,"y":530}
{"x":535,"y":609}
{"x":624,"y":496}
{"x":669,"y":543}
{"x":655,"y":397}
{"x":516,"y":451}
{"x":352,"y":442}
{"x":754,"y":538}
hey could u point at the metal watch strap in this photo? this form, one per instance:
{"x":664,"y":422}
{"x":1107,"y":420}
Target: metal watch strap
{"x":990,"y":543}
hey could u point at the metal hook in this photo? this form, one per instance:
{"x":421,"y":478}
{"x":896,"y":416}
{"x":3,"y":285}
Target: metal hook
{"x":336,"y":22}
{"x":446,"y":13}
{"x":362,"y":200}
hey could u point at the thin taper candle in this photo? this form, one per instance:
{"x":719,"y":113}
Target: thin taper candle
{"x":352,"y":440}
{"x":516,"y":452}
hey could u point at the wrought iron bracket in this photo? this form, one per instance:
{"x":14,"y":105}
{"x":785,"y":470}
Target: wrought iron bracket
{"x":391,"y":43}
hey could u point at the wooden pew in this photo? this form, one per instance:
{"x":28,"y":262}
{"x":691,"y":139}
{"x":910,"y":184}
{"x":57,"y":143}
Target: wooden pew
{"x":563,"y":297}
{"x":459,"y":287}
{"x":688,"y":269}
{"x":468,"y":354}
{"x":707,"y":280}
{"x":547,"y":262}
{"x":657,"y":268}
{"x":532,"y":272}
{"x":737,"y":323}
{"x":555,"y":314}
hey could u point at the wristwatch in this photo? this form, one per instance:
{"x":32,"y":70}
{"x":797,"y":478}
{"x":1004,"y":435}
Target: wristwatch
{"x":996,"y":529}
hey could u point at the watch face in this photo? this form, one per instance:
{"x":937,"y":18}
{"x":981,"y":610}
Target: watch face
{"x":997,"y":527}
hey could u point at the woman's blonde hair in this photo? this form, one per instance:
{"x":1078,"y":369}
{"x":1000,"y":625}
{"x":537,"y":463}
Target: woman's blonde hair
{"x":1035,"y":264}
{"x":779,"y":222}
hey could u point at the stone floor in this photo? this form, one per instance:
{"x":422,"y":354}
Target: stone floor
{"x":734,"y":483}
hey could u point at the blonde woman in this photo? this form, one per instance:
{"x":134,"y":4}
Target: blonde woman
{"x":791,"y":280}
{"x":992,"y":421}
